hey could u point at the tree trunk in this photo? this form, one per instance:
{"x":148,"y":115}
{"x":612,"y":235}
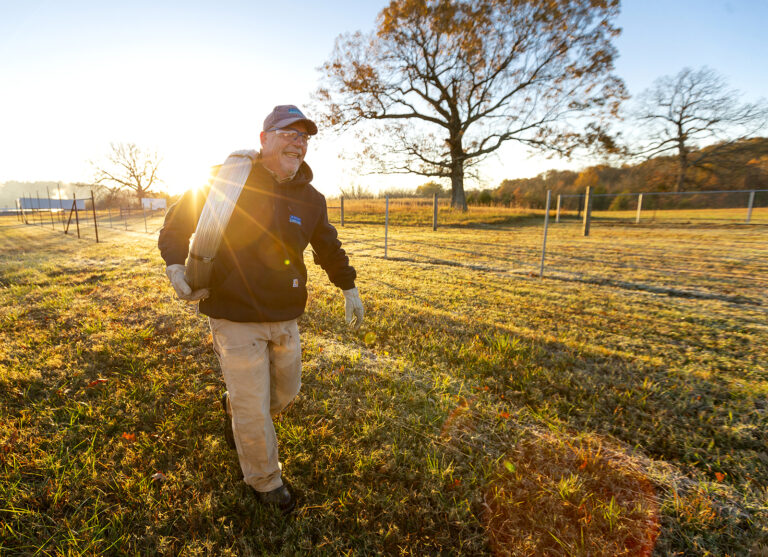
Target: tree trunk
{"x":458,"y":199}
{"x":682,"y":157}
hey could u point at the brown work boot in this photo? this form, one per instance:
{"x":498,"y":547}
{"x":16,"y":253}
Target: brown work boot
{"x":281,"y":497}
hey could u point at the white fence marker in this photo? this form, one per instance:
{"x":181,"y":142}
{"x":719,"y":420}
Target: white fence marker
{"x":546,"y":225}
{"x":587,"y":210}
{"x":639,"y":208}
{"x":751,"y":204}
{"x":386,"y":224}
{"x":434,"y":213}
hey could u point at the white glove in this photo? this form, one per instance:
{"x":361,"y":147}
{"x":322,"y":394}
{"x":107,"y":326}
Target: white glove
{"x":179,"y":282}
{"x":353,"y":305}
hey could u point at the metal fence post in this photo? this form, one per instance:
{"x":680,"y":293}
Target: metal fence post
{"x":386,"y":223}
{"x":50,"y":206}
{"x":93,"y":208}
{"x":546,"y":225}
{"x":61,"y":206}
{"x":639,"y":208}
{"x":77,"y":214}
{"x":751,"y":204}
{"x":341,"y":200}
{"x":144,"y":212}
{"x":39,"y":213}
{"x":434,"y":213}
{"x":587,"y":210}
{"x":557,"y":215}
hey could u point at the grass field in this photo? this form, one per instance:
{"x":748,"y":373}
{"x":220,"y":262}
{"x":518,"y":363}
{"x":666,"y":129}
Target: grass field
{"x":617,"y":406}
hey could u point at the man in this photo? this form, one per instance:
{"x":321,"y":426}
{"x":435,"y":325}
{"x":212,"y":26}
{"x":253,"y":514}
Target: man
{"x":258,"y":290}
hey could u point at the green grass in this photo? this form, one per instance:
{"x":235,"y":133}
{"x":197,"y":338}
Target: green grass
{"x":479,"y":409}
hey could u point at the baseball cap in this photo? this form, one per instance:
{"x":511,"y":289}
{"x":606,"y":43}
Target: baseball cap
{"x":286,"y":114}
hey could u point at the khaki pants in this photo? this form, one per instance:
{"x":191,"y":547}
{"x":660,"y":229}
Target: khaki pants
{"x":261,"y":364}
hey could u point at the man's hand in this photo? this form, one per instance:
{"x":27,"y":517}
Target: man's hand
{"x":176,"y":276}
{"x":354,"y":307}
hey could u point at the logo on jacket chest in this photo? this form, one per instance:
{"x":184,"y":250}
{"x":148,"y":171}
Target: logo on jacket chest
{"x":294,"y":219}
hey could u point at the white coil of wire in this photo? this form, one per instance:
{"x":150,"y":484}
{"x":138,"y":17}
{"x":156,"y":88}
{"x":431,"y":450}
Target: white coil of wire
{"x":222,"y":197}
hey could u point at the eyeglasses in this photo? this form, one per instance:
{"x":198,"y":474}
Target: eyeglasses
{"x":292,"y":135}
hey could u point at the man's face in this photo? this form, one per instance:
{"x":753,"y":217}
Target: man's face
{"x":281,"y":154}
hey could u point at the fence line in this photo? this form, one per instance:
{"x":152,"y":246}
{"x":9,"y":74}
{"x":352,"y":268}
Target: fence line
{"x":32,"y":211}
{"x":641,"y":195}
{"x":635,"y":252}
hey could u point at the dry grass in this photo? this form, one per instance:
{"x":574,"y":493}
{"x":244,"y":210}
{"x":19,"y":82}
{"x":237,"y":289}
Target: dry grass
{"x":473,"y":392}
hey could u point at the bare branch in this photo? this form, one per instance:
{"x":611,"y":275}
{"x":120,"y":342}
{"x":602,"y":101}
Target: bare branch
{"x":128,"y":167}
{"x":464,"y":77}
{"x":680,"y":113}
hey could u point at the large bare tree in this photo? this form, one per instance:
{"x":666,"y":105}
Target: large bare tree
{"x":128,"y":167}
{"x":680,"y":113}
{"x":442,"y":84}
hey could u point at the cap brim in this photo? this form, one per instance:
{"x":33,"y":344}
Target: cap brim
{"x":311,"y":127}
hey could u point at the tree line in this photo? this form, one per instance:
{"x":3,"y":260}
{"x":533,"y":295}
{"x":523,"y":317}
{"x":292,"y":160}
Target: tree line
{"x":740,"y":165}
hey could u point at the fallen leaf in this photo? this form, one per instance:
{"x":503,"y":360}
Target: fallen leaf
{"x":720,"y":476}
{"x":129,"y":437}
{"x":96,"y":382}
{"x":504,"y":415}
{"x":159,"y":477}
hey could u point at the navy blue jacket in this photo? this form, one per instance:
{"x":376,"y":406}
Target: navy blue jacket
{"x":259,"y":273}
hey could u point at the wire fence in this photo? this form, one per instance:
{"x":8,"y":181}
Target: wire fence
{"x":703,"y":253}
{"x":725,"y":259}
{"x":80,"y":218}
{"x":717,"y":206}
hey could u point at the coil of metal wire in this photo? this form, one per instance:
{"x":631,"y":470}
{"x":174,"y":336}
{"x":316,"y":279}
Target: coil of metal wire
{"x":222,"y":196}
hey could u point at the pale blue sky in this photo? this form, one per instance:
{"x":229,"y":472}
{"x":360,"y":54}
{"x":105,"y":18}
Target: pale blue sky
{"x":193,"y":80}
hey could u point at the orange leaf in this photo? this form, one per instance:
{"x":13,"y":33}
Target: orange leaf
{"x":96,"y":382}
{"x":129,"y":437}
{"x":720,"y":476}
{"x":504,"y":415}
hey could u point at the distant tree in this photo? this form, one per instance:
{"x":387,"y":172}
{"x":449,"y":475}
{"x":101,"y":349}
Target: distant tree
{"x":444,"y":83}
{"x":356,"y":192}
{"x":756,"y":175}
{"x":395,"y":193}
{"x":429,"y":189}
{"x":127,"y":167}
{"x":680,"y":113}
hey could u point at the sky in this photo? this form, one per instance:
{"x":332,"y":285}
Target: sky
{"x":193,"y":80}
